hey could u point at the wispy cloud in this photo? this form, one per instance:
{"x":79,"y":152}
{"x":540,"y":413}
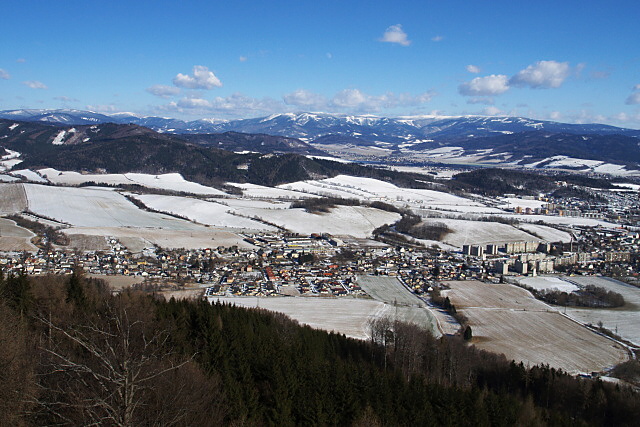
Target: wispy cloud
{"x":486,"y":100}
{"x":633,"y":99}
{"x":163,"y":91}
{"x":105,"y":108}
{"x":201,"y":78}
{"x":473,"y":69}
{"x":395,"y":34}
{"x":492,"y":111}
{"x":306,"y":99}
{"x":437,"y":38}
{"x":34,"y":84}
{"x":4,"y":75}
{"x":65,"y":99}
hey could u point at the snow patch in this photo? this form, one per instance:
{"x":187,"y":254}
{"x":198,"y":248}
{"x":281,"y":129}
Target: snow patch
{"x":59,"y":139}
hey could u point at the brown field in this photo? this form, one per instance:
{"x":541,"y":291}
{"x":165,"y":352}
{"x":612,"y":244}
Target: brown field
{"x":15,"y":238}
{"x":12,"y":199}
{"x":118,"y":282}
{"x":201,"y":237}
{"x":507,"y":319}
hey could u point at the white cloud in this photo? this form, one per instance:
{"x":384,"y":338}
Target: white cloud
{"x":485,"y":86}
{"x":473,"y":69}
{"x":21,"y":60}
{"x":633,"y":99}
{"x":163,"y":91}
{"x":103,"y":108}
{"x":304,"y":98}
{"x":194,"y":103}
{"x":4,"y":75}
{"x":542,"y":74}
{"x":34,"y":84}
{"x":234,"y":106}
{"x":350,"y":98}
{"x":395,"y":34}
{"x":243,"y":59}
{"x":202,"y":78}
{"x":636,"y":87}
{"x":437,"y":38}
{"x":555,"y":115}
{"x":492,"y":111}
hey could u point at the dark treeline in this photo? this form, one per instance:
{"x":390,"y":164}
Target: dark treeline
{"x":51,"y":234}
{"x":589,"y":296}
{"x":323,"y":204}
{"x":496,"y":182}
{"x":74,"y":354}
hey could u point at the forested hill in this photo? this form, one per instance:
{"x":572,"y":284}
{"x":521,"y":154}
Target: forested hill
{"x":497,"y":182}
{"x":69,"y":345}
{"x":130,"y":148}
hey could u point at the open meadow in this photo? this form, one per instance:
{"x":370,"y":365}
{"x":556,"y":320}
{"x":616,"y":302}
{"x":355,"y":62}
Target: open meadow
{"x":507,"y":319}
{"x":625,"y":320}
{"x":14,"y":237}
{"x":347,"y":316}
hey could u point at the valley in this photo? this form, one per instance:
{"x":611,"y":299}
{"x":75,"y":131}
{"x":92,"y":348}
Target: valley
{"x":231,"y":227}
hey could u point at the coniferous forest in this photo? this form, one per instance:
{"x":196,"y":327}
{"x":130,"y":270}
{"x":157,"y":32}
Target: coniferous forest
{"x":72,"y":353}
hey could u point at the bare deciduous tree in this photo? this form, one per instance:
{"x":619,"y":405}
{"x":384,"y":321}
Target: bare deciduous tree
{"x":108,"y":370}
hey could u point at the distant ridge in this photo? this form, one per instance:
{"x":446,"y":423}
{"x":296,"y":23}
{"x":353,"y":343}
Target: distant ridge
{"x":310,"y":126}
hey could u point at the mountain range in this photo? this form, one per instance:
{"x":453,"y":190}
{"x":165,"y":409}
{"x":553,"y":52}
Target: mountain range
{"x":310,"y":126}
{"x":513,"y":141}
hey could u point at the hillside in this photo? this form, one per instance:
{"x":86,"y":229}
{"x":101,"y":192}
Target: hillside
{"x":68,"y":342}
{"x":469,"y":139}
{"x":259,"y":143}
{"x":130,"y":148}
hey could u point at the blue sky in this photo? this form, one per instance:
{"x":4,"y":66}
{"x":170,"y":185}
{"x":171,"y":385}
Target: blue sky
{"x":572,"y":61}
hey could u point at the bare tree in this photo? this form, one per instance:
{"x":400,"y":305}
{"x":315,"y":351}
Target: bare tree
{"x":108,"y":369}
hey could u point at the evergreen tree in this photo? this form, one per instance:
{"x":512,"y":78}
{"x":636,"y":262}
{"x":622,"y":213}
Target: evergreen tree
{"x":75,"y":289}
{"x":468,"y":334}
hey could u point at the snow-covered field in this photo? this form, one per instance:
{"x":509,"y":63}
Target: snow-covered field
{"x":562,"y":220}
{"x":408,"y":306}
{"x":94,"y":207}
{"x":598,"y":166}
{"x":169,"y":181}
{"x":12,"y":199}
{"x":254,"y":203}
{"x":196,"y":237}
{"x":29,"y":175}
{"x":507,"y":319}
{"x":625,"y":320}
{"x":480,"y":233}
{"x":259,"y":191}
{"x":548,"y":283}
{"x":356,"y":221}
{"x":548,"y":234}
{"x":343,"y":315}
{"x":14,"y":237}
{"x":201,"y":211}
{"x":372,"y":189}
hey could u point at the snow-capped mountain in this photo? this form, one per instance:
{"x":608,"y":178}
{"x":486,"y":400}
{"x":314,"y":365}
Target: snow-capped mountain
{"x":366,"y":129}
